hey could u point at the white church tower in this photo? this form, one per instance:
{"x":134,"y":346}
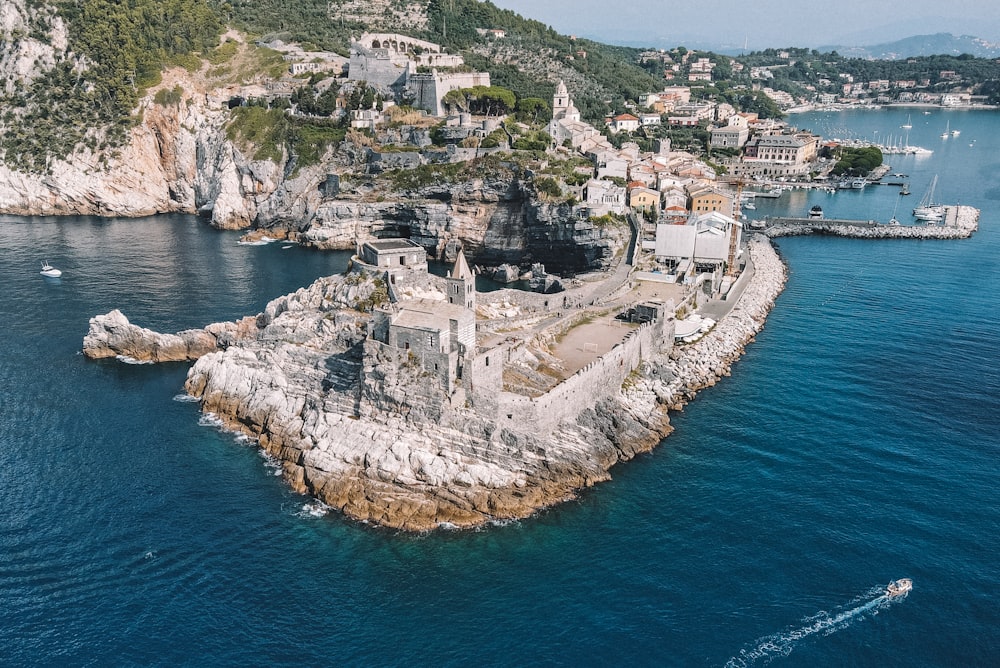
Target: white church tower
{"x":560,"y":101}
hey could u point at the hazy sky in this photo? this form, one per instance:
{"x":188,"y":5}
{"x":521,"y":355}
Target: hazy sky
{"x":763,"y":23}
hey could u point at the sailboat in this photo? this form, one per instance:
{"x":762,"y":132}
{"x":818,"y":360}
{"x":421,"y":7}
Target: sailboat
{"x":908,"y":124}
{"x":947,"y":130}
{"x":927,"y":209}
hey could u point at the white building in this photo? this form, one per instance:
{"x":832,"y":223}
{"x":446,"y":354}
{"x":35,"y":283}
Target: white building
{"x":705,"y":239}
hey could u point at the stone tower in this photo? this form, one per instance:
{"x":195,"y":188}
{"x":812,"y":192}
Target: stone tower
{"x":462,"y":284}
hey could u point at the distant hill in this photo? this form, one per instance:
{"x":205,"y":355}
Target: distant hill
{"x":921,"y":45}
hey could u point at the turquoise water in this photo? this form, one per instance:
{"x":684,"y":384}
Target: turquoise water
{"x":854,"y":443}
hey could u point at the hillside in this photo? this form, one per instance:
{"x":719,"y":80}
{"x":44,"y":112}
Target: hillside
{"x":530,"y":59}
{"x":921,"y":45}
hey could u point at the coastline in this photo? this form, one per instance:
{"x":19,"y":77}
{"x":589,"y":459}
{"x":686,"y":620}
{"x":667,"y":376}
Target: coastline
{"x":703,"y":363}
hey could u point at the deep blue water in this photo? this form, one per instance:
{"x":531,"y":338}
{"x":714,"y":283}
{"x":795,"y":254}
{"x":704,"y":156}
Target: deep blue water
{"x":854,"y":443}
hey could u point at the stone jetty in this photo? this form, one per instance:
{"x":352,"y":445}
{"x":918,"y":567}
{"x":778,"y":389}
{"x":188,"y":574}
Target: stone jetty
{"x":960,"y":223}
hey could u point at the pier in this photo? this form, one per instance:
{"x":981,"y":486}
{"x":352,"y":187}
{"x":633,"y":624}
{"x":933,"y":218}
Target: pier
{"x":960,"y":222}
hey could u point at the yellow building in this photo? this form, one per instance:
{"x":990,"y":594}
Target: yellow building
{"x":705,"y":200}
{"x":641,"y":198}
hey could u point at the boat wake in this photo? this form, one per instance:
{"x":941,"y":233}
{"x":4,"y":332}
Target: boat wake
{"x":766,"y":649}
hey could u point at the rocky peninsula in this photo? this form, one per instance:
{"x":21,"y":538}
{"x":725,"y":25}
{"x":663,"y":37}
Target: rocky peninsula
{"x":374,"y":435}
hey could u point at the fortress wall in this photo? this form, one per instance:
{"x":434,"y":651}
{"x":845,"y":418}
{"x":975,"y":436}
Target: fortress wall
{"x":598,"y":380}
{"x":428,"y":89}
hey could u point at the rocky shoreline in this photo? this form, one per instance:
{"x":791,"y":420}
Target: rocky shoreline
{"x":289,"y":378}
{"x":693,"y":367}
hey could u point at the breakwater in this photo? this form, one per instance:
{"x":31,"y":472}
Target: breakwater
{"x":960,"y":222}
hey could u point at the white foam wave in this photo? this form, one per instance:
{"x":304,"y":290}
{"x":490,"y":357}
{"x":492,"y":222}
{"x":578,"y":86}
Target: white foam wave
{"x":781,"y":644}
{"x":125,"y":359}
{"x":263,"y":241}
{"x":186,"y":398}
{"x":314,"y":508}
{"x":211,"y":420}
{"x":271,"y":462}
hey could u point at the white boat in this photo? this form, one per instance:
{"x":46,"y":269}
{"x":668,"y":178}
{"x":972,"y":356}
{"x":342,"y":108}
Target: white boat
{"x":931,"y":215}
{"x":859,"y":183}
{"x":50,"y":271}
{"x":816,"y":212}
{"x":908,"y":125}
{"x":927,"y":209}
{"x":900,"y":587}
{"x":947,"y":130}
{"x":749,"y":205}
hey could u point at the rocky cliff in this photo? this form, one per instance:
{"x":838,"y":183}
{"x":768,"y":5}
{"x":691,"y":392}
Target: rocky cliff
{"x":496,"y":221}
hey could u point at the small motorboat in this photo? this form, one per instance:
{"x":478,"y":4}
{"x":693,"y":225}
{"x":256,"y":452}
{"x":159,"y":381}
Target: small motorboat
{"x":50,"y":271}
{"x":899,"y":587}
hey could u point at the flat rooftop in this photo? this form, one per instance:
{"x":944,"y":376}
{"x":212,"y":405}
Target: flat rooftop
{"x":392,"y":244}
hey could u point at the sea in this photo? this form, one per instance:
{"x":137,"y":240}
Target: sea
{"x":856,"y":442}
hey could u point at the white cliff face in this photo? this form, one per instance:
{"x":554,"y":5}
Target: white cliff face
{"x":177,"y":159}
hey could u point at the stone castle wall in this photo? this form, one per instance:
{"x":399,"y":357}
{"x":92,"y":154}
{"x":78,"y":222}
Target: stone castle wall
{"x":589,"y":385}
{"x":428,"y":89}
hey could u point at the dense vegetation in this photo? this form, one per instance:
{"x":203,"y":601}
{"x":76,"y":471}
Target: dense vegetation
{"x":271,"y":134}
{"x":126,"y":44}
{"x":613,"y":70}
{"x":857,"y":161}
{"x":305,"y":21}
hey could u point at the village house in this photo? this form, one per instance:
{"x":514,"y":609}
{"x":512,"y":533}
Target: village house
{"x":623,"y":123}
{"x":775,"y":155}
{"x":642,"y":198}
{"x":604,"y":197}
{"x":646,"y":120}
{"x":729,"y":136}
{"x":705,"y":199}
{"x":691,"y":114}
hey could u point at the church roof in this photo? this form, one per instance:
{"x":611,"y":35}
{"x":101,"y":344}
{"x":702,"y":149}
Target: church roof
{"x":561,"y":88}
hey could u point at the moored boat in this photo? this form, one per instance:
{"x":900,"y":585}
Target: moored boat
{"x":927,"y":209}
